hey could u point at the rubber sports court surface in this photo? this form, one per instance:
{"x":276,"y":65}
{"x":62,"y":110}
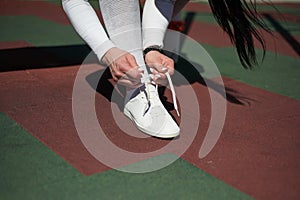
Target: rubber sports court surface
{"x":42,"y":157}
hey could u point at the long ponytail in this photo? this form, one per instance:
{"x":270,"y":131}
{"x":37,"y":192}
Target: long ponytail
{"x":239,"y":20}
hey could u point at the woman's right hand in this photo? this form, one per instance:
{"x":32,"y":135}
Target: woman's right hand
{"x":123,"y":67}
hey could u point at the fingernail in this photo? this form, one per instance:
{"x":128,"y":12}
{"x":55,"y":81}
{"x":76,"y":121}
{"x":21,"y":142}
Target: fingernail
{"x":140,"y":70}
{"x":151,"y":70}
{"x":157,"y":75}
{"x":151,"y":76}
{"x":164,"y":68}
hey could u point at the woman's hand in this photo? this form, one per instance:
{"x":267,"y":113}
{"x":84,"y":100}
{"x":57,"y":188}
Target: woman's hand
{"x":159,"y":64}
{"x":123,"y":67}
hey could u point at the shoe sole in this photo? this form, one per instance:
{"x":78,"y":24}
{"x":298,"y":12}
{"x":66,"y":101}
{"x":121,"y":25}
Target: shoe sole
{"x":172,"y":135}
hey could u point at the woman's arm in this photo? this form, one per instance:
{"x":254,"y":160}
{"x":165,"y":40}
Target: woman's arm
{"x":87,"y":25}
{"x":156,"y":17}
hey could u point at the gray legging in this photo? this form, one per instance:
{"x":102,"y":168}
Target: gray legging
{"x":123,"y":24}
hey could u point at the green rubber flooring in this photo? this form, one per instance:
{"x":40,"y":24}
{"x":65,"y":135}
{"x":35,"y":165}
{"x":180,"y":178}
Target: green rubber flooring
{"x":29,"y":170}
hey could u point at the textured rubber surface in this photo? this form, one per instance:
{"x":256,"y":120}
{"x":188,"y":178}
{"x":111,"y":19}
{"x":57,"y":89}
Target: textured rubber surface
{"x":29,"y":170}
{"x":257,"y":152}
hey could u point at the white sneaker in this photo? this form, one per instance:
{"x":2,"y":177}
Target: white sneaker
{"x":149,"y":115}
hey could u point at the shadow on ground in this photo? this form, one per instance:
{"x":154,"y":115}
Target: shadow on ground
{"x":105,"y":85}
{"x":49,"y":57}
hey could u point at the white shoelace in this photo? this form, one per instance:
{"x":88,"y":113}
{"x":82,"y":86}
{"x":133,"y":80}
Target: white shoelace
{"x":172,"y":91}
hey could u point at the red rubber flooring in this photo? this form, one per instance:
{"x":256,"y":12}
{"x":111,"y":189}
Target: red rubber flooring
{"x":255,"y":153}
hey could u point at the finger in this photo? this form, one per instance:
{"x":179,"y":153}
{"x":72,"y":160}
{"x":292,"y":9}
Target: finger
{"x":159,"y":67}
{"x":135,"y":73}
{"x":128,"y":78}
{"x":129,"y":83}
{"x":156,"y":75}
{"x":160,"y":81}
{"x":153,"y":70}
{"x":119,"y":74}
{"x":170,"y":67}
{"x":169,"y":64}
{"x":113,"y":75}
{"x":131,"y":68}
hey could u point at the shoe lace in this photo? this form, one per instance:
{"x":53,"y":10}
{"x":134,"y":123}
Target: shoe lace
{"x":173,"y":92}
{"x":148,"y":94}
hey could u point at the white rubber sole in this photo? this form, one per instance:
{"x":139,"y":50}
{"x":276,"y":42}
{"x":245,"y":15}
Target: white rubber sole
{"x":171,"y":135}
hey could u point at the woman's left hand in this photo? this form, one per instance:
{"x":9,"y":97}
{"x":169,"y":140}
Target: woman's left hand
{"x":159,"y":64}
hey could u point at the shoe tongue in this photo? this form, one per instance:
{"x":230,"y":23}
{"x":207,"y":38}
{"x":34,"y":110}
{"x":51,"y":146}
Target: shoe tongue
{"x":150,"y":88}
{"x":135,"y":92}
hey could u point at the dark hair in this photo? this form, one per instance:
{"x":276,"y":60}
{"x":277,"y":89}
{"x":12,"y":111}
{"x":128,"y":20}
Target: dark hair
{"x":239,"y":20}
